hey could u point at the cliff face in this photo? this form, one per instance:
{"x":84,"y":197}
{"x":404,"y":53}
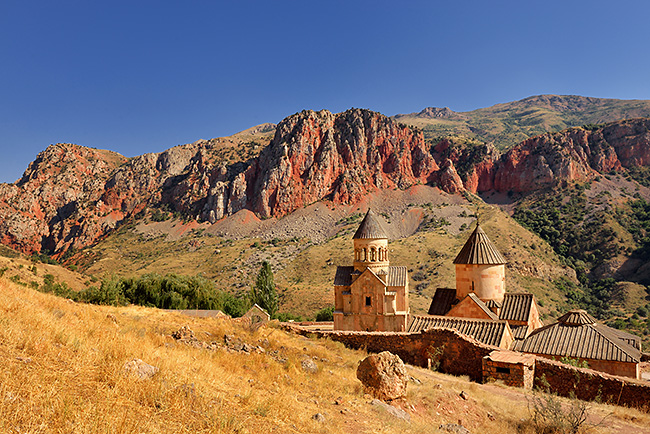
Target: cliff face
{"x":56,"y":204}
{"x":342,"y":157}
{"x":71,"y":196}
{"x":572,"y":155}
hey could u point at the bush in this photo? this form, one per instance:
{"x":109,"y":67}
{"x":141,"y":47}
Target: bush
{"x":550,"y":416}
{"x":325,"y":314}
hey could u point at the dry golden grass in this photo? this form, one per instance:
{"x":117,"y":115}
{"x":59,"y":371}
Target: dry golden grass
{"x":62,"y":371}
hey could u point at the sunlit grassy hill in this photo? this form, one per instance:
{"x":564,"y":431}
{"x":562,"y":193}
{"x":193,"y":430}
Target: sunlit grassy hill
{"x":62,"y":370}
{"x":510,"y":123}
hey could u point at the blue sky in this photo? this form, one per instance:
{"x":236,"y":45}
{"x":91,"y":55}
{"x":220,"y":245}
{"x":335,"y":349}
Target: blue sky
{"x":143,"y":76}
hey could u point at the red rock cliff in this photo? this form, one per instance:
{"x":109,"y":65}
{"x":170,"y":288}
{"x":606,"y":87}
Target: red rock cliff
{"x":71,"y":196}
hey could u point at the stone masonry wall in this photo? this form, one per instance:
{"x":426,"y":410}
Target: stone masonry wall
{"x":458,"y":354}
{"x":451,"y":352}
{"x":588,"y":385}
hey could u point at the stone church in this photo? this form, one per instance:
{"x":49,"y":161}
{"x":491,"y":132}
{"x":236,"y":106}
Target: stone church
{"x":371,"y":295}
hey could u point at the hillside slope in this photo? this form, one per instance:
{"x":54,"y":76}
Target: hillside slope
{"x":505,"y":125}
{"x":63,"y":371}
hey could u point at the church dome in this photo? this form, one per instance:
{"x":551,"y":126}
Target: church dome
{"x":370,"y":228}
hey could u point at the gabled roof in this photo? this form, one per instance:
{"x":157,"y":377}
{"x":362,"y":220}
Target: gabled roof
{"x":442,"y":301}
{"x":343,"y":276}
{"x":370,"y":227}
{"x":519,"y":331}
{"x":471,"y":298}
{"x":397,"y":276}
{"x":485,"y":331}
{"x":479,"y":250}
{"x":573,"y":335}
{"x":516,"y":306}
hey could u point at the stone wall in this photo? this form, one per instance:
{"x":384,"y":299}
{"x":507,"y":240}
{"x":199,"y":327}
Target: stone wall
{"x":589,"y":385}
{"x":454,"y":353}
{"x":513,"y":369}
{"x":447,"y":350}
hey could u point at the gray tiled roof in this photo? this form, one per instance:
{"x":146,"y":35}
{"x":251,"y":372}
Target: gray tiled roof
{"x":343,"y":276}
{"x":587,"y":341}
{"x":370,"y":227}
{"x":397,"y":276}
{"x":442,"y":301}
{"x":486,"y":331}
{"x":519,"y":331}
{"x":479,"y":250}
{"x":516,"y":306}
{"x":576,"y":317}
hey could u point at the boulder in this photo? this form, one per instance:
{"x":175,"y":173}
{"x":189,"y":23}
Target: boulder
{"x":309,"y":366}
{"x":140,"y":369}
{"x":383,"y":376}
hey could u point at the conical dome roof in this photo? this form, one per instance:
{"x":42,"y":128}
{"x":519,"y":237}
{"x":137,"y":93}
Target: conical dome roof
{"x":370,"y":227}
{"x":479,"y":250}
{"x":576,"y":317}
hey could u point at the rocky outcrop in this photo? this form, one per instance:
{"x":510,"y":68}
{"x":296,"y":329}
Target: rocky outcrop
{"x":341,"y":157}
{"x":71,"y":196}
{"x":573,"y":155}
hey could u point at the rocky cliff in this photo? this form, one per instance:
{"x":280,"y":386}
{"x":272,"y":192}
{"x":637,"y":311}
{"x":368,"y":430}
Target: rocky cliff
{"x":71,"y":196}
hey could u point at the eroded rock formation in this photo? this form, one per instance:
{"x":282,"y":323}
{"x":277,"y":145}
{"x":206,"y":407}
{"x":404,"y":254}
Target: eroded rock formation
{"x":71,"y":196}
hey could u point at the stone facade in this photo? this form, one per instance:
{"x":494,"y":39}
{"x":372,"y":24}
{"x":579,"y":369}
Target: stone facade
{"x":487,"y":281}
{"x":457,"y":354}
{"x":590,"y":385}
{"x":371,"y":295}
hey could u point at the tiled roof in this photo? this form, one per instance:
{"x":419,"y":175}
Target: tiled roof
{"x":587,"y":341}
{"x":397,"y":276}
{"x":516,"y":306}
{"x":486,"y":331}
{"x":628,"y":338}
{"x":343,"y":276}
{"x":479,"y":250}
{"x":576,"y":317}
{"x":493,"y":303}
{"x":442,"y":301}
{"x":519,"y":331}
{"x":370,"y":227}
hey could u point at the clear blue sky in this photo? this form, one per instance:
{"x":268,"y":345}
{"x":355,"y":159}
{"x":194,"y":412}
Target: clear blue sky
{"x":143,"y":76}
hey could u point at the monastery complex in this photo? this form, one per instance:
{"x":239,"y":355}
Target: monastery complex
{"x":372,"y":296}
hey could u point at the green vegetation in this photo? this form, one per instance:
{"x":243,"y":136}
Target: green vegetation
{"x":165,"y":292}
{"x":263,"y":293}
{"x":636,"y":219}
{"x":582,"y":238}
{"x":325,"y":314}
{"x":508,"y":124}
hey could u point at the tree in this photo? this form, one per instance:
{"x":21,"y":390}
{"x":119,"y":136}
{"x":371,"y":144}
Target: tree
{"x":263,"y":293}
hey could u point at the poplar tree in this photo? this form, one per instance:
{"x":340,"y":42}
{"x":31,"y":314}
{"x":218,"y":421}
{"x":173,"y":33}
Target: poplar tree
{"x":264,"y":293}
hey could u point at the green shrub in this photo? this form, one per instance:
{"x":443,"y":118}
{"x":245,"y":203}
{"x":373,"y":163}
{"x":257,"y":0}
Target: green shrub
{"x":325,"y":314}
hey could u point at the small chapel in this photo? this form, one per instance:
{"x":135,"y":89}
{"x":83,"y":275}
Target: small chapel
{"x":371,"y":295}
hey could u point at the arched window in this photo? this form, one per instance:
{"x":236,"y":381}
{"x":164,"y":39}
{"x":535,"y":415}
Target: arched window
{"x":373,"y":254}
{"x":365,"y":255}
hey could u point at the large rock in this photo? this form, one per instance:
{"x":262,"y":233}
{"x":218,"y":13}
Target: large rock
{"x":383,"y":375}
{"x":140,"y":369}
